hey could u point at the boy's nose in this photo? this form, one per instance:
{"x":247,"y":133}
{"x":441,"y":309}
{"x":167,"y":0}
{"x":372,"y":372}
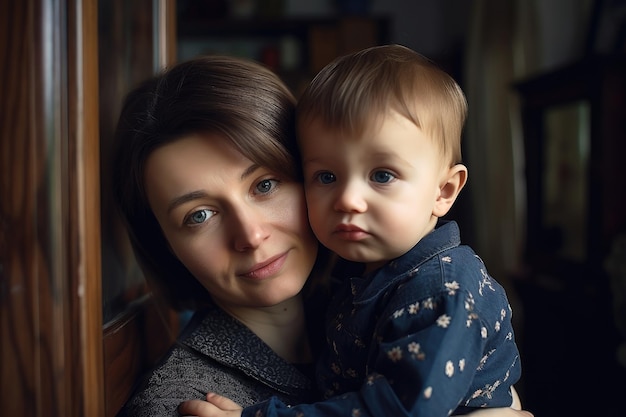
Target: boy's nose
{"x":350,"y":199}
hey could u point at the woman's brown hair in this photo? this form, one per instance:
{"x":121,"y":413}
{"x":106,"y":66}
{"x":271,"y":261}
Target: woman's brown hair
{"x":239,"y":99}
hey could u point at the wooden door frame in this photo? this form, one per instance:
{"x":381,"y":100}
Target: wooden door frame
{"x":84,"y":157}
{"x":51,"y":353}
{"x":50,"y":253}
{"x":84,"y":201}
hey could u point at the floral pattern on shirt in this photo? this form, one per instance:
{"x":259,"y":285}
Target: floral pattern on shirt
{"x":429,"y":335}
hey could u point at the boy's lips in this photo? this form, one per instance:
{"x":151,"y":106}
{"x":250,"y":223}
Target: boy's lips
{"x":347,"y":228}
{"x":350,"y":232}
{"x":266,"y":268}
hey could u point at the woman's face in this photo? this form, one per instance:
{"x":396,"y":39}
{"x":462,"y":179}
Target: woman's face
{"x":238,"y":227}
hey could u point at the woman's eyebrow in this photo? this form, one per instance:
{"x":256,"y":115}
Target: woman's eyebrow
{"x":194,"y":195}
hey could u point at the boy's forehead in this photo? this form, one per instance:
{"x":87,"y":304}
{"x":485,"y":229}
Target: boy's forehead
{"x":349,"y":125}
{"x":375,"y":132}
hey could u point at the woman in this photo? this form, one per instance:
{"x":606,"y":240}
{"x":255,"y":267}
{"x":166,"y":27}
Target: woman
{"x":207,"y":184}
{"x":206,"y":180}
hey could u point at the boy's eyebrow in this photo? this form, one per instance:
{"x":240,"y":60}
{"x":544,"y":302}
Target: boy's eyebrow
{"x":249,"y":171}
{"x":390,"y":156}
{"x":195,"y":195}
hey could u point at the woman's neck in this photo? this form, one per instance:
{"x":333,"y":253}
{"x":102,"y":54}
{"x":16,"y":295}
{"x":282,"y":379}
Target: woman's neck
{"x":282,"y":327}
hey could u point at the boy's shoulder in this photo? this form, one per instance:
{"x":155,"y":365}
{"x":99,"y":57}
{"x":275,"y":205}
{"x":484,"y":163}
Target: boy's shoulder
{"x":457,"y":267}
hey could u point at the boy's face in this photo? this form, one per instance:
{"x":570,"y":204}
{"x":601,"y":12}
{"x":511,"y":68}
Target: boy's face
{"x":372,"y":198}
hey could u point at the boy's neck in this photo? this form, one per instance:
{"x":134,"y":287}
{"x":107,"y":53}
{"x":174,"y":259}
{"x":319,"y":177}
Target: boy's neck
{"x":372,"y":266}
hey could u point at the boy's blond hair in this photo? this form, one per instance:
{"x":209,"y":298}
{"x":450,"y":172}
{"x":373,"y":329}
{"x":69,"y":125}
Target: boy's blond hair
{"x":356,"y":90}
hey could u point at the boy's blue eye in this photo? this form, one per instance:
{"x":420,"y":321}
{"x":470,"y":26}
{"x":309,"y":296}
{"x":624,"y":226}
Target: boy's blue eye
{"x":326,"y":177}
{"x":382,"y":176}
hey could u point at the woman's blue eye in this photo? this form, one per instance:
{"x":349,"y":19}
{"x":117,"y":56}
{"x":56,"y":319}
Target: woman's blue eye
{"x":200,"y":216}
{"x":266,"y":186}
{"x":326,"y":177}
{"x":382,"y":176}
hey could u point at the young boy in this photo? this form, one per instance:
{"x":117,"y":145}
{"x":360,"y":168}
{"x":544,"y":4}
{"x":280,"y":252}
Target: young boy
{"x":423,"y":330}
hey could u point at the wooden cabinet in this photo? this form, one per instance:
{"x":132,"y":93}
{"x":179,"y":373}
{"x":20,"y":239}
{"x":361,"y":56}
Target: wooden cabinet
{"x":296,"y":48}
{"x":67,"y":65}
{"x":574,"y":125}
{"x":50,"y":306}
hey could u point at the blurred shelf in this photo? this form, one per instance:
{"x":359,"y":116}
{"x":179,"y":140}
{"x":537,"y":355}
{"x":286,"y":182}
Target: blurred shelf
{"x":295,"y":48}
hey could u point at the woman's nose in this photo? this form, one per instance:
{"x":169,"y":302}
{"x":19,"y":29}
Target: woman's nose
{"x":350,"y":198}
{"x":249,"y":228}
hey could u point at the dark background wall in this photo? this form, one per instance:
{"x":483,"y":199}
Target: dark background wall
{"x":567,"y":300}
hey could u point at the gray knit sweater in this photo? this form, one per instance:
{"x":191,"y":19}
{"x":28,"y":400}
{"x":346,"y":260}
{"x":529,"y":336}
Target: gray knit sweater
{"x":219,"y":354}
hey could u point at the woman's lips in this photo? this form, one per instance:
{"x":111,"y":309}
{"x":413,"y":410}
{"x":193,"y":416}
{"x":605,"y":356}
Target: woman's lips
{"x":266,"y":268}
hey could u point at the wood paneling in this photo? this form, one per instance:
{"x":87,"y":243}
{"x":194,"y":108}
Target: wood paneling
{"x":84,"y":196}
{"x":31,"y":320}
{"x":123,"y":358}
{"x":51,"y":330}
{"x":50,"y":327}
{"x":21,"y":255}
{"x":133,"y":342}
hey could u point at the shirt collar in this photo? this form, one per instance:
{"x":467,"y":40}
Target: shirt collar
{"x":446,"y":235}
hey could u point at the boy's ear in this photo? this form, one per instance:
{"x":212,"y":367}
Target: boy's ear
{"x":453,"y":183}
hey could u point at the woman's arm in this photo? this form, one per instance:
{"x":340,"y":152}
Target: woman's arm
{"x":500,"y":412}
{"x":219,"y":406}
{"x":517,"y":403}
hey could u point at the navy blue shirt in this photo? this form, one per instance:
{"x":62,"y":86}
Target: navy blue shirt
{"x":429,"y":334}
